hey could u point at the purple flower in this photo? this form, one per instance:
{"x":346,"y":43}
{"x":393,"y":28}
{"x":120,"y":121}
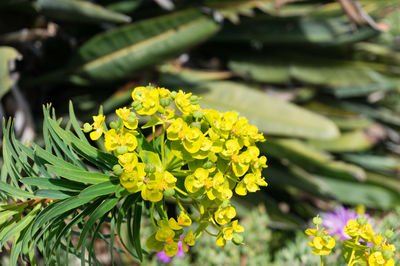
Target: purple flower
{"x":164,"y":258}
{"x":335,"y":221}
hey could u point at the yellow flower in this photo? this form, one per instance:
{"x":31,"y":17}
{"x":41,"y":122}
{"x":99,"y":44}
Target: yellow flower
{"x":152,"y":192}
{"x":251,"y":183}
{"x":189,"y":238}
{"x":129,"y":121}
{"x":197,"y":180}
{"x":231,"y":147}
{"x":174,"y":129}
{"x":129,"y":140}
{"x":111,"y":140}
{"x":128,"y":161}
{"x":164,"y":93}
{"x":165,"y":180}
{"x":139,"y":94}
{"x":192,"y":139}
{"x":228,"y":233}
{"x":133,"y":181}
{"x":219,"y":189}
{"x":184,"y":219}
{"x":377,"y":259}
{"x":182,"y":101}
{"x":98,"y":127}
{"x":225,"y":215}
{"x":322,"y":245}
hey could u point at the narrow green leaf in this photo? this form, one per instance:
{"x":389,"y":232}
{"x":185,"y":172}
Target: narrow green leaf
{"x":79,"y":11}
{"x":21,"y":225}
{"x":53,"y":183}
{"x":75,"y":124}
{"x":137,"y":216}
{"x":53,"y":194}
{"x":101,"y":189}
{"x":104,"y":160}
{"x":79,"y":175}
{"x":99,"y":212}
{"x":16,"y":192}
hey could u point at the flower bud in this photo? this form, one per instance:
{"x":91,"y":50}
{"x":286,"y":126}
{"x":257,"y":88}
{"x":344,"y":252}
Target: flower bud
{"x":115,"y":124}
{"x":317,"y":220}
{"x":164,"y":102}
{"x":194,"y":99}
{"x":362,"y":220}
{"x":87,"y":128}
{"x":169,"y":192}
{"x":208,"y":165}
{"x":225,"y":204}
{"x":197,"y":114}
{"x":195,"y":124}
{"x":149,"y":168}
{"x":388,"y":233}
{"x":172,"y":95}
{"x":137,"y":105}
{"x":237,"y":239}
{"x":122,"y":150}
{"x":117,"y":169}
{"x":387,"y":254}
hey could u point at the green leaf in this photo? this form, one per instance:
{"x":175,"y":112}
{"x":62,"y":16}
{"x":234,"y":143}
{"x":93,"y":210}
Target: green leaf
{"x":102,"y":159}
{"x":9,"y":210}
{"x":136,"y":229}
{"x":99,"y":212}
{"x":154,"y":120}
{"x":152,"y":158}
{"x":265,"y":111}
{"x":79,"y":175}
{"x":53,"y":194}
{"x":356,"y":140}
{"x":75,"y":123}
{"x":53,"y":183}
{"x":355,"y":193}
{"x":21,"y":225}
{"x":101,"y":189}
{"x":58,"y":208}
{"x":310,"y":158}
{"x":300,"y":30}
{"x":7,"y":54}
{"x":16,"y":192}
{"x":116,"y":54}
{"x":79,"y":11}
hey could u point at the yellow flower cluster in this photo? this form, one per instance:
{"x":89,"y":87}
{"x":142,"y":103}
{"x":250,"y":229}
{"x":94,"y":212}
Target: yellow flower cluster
{"x":322,"y":242}
{"x":201,"y":156}
{"x":378,"y":252}
{"x":381,"y":252}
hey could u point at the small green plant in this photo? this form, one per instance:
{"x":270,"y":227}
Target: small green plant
{"x":196,"y":157}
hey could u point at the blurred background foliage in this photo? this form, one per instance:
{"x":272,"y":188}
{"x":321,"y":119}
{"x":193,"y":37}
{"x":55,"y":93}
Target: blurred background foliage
{"x":319,"y":77}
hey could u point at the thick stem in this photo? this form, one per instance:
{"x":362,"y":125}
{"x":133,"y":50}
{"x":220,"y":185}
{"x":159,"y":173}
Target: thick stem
{"x":322,"y":260}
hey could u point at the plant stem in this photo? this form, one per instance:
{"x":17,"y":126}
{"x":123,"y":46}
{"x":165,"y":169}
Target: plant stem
{"x":353,"y":251}
{"x":322,"y":261}
{"x":152,"y":216}
{"x":154,"y":137}
{"x":181,"y":191}
{"x":162,"y":146}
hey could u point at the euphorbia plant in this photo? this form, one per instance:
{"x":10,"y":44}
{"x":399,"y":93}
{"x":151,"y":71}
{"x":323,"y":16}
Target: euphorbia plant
{"x":194,"y":157}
